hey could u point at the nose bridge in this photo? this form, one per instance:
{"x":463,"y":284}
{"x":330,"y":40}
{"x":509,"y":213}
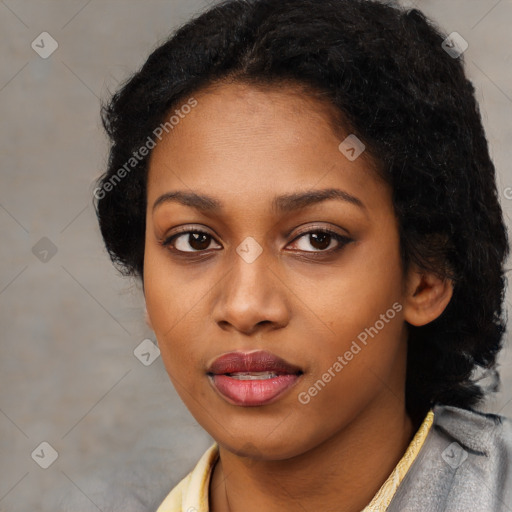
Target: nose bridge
{"x":250,"y":271}
{"x":251,"y":294}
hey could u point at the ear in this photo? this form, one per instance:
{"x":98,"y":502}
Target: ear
{"x":426,"y":297}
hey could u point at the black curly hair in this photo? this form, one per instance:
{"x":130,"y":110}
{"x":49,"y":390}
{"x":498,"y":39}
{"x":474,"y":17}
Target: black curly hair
{"x":384,"y":72}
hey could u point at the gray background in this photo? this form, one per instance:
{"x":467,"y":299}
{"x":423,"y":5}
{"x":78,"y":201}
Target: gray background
{"x":69,"y":325}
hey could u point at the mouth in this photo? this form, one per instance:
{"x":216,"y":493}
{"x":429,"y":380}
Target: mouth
{"x":253,"y":375}
{"x":252,"y":378}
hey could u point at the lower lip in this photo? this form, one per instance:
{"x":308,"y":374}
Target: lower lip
{"x":252,"y":392}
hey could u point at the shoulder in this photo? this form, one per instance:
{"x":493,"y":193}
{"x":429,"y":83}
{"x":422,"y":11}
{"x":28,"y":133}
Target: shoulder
{"x":467,"y":422}
{"x":191,"y":494}
{"x":174,"y":500}
{"x":464,"y":465}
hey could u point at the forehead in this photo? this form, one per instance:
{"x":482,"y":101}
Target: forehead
{"x":256,"y":142}
{"x":261,"y":105}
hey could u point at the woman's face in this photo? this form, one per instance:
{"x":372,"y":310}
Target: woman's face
{"x":254,"y":255}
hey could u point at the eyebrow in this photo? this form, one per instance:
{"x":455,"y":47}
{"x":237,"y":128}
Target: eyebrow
{"x":283,"y":204}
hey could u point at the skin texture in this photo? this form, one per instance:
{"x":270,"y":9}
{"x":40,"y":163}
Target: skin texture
{"x":299,"y":299}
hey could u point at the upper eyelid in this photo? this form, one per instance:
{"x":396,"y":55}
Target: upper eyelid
{"x":307,"y":230}
{"x":167,"y":239}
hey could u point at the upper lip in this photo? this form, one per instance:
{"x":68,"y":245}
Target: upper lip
{"x":255,"y":361}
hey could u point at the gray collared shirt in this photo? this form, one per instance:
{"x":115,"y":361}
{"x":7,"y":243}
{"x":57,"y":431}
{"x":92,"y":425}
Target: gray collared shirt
{"x":464,"y":465}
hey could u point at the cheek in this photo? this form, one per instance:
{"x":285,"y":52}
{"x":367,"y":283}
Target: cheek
{"x":351,"y":296}
{"x":171,"y":292}
{"x":169,"y":301}
{"x":176,"y":301}
{"x":375,"y":281}
{"x":361,"y":360}
{"x":361,"y":306}
{"x":172,"y":315}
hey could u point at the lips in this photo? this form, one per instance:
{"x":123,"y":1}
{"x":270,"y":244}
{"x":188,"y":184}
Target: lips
{"x":257,"y":361}
{"x":252,"y":378}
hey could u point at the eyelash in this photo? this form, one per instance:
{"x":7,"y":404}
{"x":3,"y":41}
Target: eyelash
{"x":342,"y":241}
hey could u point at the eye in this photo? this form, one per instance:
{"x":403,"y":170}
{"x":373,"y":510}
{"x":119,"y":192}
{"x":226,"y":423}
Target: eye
{"x":196,"y":241}
{"x":182,"y":242}
{"x":321,"y":240}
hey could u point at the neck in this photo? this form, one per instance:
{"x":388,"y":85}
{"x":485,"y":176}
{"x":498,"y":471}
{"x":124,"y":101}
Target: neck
{"x":343,"y":473}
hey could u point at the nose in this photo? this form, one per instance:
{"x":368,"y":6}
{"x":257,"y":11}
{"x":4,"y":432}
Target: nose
{"x":253,"y":298}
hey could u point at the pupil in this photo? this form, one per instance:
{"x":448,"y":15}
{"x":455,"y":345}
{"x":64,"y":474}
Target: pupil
{"x":320,"y":238}
{"x":195,"y":243}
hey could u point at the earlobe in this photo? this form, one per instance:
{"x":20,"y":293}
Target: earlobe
{"x":427,"y":297}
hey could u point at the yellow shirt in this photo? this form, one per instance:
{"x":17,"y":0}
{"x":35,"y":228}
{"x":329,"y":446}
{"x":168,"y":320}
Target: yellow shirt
{"x":191,"y":494}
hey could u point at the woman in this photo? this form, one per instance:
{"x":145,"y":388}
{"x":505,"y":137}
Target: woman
{"x":305,"y":190}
